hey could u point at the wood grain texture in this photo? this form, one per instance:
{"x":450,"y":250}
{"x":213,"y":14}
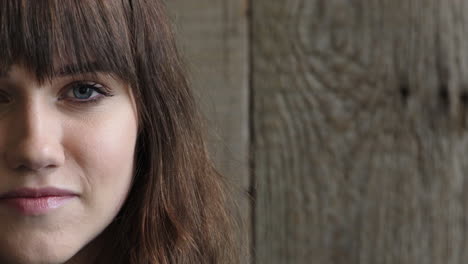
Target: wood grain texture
{"x":360,"y":131}
{"x":214,"y":39}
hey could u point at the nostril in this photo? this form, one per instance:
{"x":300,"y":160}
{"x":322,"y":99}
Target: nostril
{"x":29,"y":166}
{"x":26,"y":157}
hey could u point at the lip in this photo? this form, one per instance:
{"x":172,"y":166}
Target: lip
{"x":36,"y":201}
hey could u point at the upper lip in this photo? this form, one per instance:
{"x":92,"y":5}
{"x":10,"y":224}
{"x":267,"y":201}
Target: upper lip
{"x":36,"y":193}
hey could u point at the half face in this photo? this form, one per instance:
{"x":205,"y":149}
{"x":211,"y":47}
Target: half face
{"x":66,"y":162}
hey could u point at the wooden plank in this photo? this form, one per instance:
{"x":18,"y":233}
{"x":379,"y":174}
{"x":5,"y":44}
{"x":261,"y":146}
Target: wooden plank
{"x":214,"y":41}
{"x":360,"y":131}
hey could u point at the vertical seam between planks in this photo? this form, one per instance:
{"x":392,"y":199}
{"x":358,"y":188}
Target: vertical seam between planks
{"x":251,"y":128}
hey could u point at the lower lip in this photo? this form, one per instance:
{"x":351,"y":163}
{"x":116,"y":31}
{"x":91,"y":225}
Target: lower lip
{"x":36,"y":206}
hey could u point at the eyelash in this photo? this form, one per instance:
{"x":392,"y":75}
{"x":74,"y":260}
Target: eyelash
{"x":103,"y":91}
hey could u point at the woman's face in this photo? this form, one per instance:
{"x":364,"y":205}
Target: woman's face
{"x":66,"y":162}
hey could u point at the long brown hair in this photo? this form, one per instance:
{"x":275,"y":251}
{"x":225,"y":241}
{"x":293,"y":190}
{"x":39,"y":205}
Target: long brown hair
{"x":176,"y":210}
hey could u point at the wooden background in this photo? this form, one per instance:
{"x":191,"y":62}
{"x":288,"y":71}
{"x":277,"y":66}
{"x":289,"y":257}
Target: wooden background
{"x":344,"y":119}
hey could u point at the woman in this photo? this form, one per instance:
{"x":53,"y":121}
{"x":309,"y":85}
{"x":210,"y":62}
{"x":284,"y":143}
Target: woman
{"x":102,"y":159}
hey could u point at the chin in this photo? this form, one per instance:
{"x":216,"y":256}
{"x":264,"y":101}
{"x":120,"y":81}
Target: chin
{"x":37,"y":253}
{"x":34,"y":259}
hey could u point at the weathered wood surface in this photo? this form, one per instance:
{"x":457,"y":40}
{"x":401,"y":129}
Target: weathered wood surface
{"x":360,"y":142}
{"x":214,"y":39}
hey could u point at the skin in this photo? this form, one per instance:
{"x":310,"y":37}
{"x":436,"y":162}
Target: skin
{"x":47,"y":139}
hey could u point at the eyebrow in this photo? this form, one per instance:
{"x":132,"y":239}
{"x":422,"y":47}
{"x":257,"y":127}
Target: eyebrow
{"x":77,"y":69}
{"x":69,"y":69}
{"x":4,"y":71}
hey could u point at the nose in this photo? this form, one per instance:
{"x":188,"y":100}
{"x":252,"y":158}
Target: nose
{"x":34,"y":142}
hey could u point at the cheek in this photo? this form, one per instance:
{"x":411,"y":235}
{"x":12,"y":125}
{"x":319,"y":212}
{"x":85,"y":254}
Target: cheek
{"x":103,"y":151}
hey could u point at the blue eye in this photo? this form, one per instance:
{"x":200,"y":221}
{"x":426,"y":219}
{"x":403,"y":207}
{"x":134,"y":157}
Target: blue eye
{"x":83,"y":92}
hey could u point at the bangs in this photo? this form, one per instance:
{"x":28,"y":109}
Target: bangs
{"x":46,"y":35}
